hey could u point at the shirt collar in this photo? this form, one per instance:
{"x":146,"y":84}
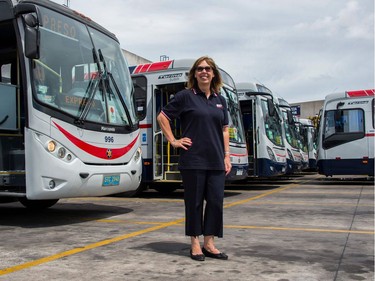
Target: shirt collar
{"x":200,"y":92}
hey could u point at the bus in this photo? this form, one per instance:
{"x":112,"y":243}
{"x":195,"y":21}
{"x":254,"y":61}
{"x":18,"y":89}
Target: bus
{"x":263,"y":130}
{"x":68,"y":124}
{"x":291,"y":137}
{"x":346,"y":134}
{"x":308,"y":136}
{"x":155,"y":84}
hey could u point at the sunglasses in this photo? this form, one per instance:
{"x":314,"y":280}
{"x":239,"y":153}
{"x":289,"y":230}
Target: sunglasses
{"x":201,"y":68}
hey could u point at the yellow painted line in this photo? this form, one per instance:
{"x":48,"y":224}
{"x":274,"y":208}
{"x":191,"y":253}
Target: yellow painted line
{"x":311,"y":204}
{"x":301,"y":229}
{"x":87,"y":247}
{"x":329,"y":192}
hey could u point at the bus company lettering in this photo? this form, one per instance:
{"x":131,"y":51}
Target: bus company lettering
{"x":59,"y":26}
{"x":108,"y":129}
{"x":170,"y":76}
{"x":357,"y":102}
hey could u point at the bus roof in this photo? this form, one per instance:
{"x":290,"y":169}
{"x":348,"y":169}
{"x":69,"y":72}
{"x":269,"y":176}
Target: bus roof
{"x":70,"y":13}
{"x":252,"y":87}
{"x":174,"y":65}
{"x":351,"y":94}
{"x":161,"y":65}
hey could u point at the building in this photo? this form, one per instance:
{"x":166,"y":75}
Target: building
{"x":134,"y":59}
{"x":307,"y":109}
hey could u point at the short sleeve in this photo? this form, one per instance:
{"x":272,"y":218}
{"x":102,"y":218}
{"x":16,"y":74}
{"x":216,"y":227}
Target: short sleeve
{"x":174,"y":107}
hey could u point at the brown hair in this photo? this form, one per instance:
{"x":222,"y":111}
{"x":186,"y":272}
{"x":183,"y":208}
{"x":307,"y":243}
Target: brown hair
{"x":217,"y":81}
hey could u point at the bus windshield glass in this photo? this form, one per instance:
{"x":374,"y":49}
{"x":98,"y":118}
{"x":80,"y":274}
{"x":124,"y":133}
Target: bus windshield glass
{"x":236,"y":133}
{"x":80,"y":72}
{"x":272,"y":125}
{"x":291,"y":133}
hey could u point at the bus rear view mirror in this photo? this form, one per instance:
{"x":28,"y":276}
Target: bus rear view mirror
{"x":271,"y":107}
{"x":31,"y":37}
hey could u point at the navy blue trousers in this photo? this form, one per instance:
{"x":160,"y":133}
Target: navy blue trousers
{"x":200,"y":186}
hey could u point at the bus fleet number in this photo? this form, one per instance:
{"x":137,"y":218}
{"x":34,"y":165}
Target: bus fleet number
{"x":109,"y":139}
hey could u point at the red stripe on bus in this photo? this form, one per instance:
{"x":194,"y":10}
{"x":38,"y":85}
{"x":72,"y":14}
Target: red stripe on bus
{"x":370,"y":135}
{"x":145,"y":126}
{"x":361,"y":93}
{"x":156,"y":66}
{"x":238,"y":155}
{"x":100,"y":152}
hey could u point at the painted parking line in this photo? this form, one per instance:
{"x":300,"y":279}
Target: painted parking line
{"x":87,"y":247}
{"x":369,"y":232}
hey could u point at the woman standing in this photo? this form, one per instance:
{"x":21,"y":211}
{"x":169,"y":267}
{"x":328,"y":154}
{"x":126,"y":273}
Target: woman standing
{"x":204,"y":155}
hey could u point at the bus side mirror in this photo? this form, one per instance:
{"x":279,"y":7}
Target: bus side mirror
{"x":290,"y":117}
{"x":32,"y":37}
{"x":271,"y":107}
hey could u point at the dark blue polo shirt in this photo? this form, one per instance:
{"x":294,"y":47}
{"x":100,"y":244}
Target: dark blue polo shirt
{"x":202,"y":120}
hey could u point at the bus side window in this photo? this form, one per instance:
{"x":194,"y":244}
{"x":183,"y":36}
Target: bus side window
{"x":140,"y":96}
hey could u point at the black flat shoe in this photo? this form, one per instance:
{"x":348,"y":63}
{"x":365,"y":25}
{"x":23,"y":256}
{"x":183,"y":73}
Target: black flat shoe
{"x":219,"y":256}
{"x":198,"y":257}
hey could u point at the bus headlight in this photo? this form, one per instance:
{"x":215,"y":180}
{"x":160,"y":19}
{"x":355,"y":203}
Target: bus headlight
{"x":271,"y":154}
{"x":51,"y":146}
{"x":138,"y":154}
{"x":61,"y":152}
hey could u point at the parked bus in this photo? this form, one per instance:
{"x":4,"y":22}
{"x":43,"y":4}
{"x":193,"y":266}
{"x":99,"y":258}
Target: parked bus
{"x":155,"y":84}
{"x":263,"y":130}
{"x":308,"y":136}
{"x":291,"y":136}
{"x":68,"y":124}
{"x":346,"y":134}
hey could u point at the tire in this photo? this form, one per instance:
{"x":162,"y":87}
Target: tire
{"x":165,"y":190}
{"x":37,"y":204}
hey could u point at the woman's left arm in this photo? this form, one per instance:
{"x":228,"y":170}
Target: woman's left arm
{"x":227,"y":163}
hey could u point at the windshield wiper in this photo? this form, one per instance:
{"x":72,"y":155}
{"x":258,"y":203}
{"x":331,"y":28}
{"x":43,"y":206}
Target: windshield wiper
{"x":86,"y":103}
{"x":109,"y":89}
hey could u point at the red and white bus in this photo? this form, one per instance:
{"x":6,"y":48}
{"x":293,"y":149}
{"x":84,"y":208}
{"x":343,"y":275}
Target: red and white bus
{"x":346,"y":134}
{"x":63,"y":131}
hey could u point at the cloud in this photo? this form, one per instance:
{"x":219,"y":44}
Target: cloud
{"x":352,"y":21}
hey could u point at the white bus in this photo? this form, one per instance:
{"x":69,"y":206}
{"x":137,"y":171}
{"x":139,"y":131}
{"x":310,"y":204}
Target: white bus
{"x":346,"y":134}
{"x":263,"y":130}
{"x":68,"y":124}
{"x":155,"y":84}
{"x":292,"y":139}
{"x":308,"y":135}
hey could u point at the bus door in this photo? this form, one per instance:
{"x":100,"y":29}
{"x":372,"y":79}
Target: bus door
{"x":157,"y":146}
{"x":12,"y":151}
{"x":249,"y":122}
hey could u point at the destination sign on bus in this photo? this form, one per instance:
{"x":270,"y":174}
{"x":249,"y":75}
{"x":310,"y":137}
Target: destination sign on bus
{"x":59,"y":23}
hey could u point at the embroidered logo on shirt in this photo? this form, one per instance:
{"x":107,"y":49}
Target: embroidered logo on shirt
{"x":219,"y":105}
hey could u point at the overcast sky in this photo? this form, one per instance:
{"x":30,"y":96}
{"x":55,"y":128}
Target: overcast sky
{"x":301,"y":49}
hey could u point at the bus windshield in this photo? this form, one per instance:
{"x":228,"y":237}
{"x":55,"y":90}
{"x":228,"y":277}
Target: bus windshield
{"x":80,"y":73}
{"x":236,"y":133}
{"x":291,"y":133}
{"x":272,"y":125}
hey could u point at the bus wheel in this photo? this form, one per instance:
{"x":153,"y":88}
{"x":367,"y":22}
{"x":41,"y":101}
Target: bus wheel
{"x":37,"y":204}
{"x":165,"y":190}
